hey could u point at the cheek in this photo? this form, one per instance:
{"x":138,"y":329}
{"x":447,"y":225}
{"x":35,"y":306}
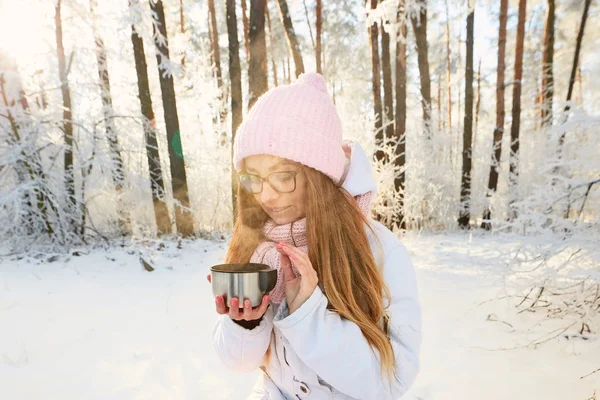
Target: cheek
{"x":301,"y":197}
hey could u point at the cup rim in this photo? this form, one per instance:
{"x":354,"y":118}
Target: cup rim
{"x":231,"y":268}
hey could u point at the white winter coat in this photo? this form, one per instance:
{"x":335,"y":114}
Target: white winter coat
{"x":316,"y":354}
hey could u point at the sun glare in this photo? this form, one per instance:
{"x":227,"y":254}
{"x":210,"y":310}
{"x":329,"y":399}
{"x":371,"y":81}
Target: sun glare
{"x":22,"y":29}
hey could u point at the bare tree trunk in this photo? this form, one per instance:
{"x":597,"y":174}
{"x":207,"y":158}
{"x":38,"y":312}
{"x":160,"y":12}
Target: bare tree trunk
{"x":184,"y":219}
{"x":182,"y":25}
{"x":580,"y":82}
{"x":439,"y":101}
{"x":400,"y":129}
{"x":290,"y":34}
{"x":376,"y":80}
{"x":478,"y":104}
{"x":235,"y":74}
{"x":273,"y":64}
{"x":420,"y":28}
{"x":388,"y":95}
{"x":117,"y":169}
{"x":216,"y":52}
{"x":547,"y":90}
{"x":214,"y":41}
{"x":465,"y":186}
{"x":516,"y":105}
{"x":246,"y":25}
{"x":584,"y":16}
{"x":67,"y":125}
{"x":448,"y":71}
{"x":289,"y":71}
{"x":283,"y":69}
{"x":310,"y":32}
{"x":257,"y":70}
{"x":161,"y":211}
{"x":319,"y":24}
{"x":499,"y":129}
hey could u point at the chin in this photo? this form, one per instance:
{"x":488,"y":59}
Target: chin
{"x":282,"y":220}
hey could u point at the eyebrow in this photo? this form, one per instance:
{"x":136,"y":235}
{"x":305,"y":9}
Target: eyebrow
{"x":272,"y":167}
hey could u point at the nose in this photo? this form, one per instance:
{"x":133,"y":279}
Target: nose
{"x":268,"y":194}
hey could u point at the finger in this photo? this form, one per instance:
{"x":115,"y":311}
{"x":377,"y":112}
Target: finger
{"x":301,"y":261}
{"x":263,"y":307}
{"x":304,"y":267}
{"x":221,"y":306}
{"x":247,"y":314}
{"x":234,"y":310}
{"x":209,"y":278}
{"x":286,"y":266}
{"x":292,"y":250}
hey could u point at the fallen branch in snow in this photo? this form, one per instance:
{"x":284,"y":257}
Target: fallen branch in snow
{"x":493,"y":318}
{"x":562,"y":330}
{"x":593,"y":372}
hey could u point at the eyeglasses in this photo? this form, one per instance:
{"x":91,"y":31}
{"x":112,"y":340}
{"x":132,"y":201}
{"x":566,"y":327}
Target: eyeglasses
{"x":281,"y":182}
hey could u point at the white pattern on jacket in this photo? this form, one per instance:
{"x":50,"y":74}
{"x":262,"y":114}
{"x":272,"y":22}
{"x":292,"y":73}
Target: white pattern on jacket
{"x":316,"y":354}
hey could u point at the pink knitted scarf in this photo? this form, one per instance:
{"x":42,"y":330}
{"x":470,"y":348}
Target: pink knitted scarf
{"x":295,"y":234}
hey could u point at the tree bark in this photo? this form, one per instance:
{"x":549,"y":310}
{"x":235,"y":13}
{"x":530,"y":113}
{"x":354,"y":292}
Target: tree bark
{"x":161,"y":211}
{"x":547,"y":90}
{"x":516,"y":104}
{"x":271,"y":39}
{"x":183,"y":217}
{"x":477,"y":104}
{"x":182,"y":26}
{"x":376,"y":81}
{"x":235,"y":75}
{"x":67,"y":123}
{"x":400,"y":114}
{"x":584,"y":16}
{"x":318,"y":51}
{"x":439,"y":101}
{"x":285,"y":77}
{"x":499,"y":129}
{"x":388,"y":95}
{"x":419,"y":24}
{"x":246,"y":25}
{"x":216,"y":52}
{"x":257,"y":70}
{"x":448,"y":71}
{"x":310,"y":32}
{"x":117,"y":168}
{"x":465,"y":186}
{"x":580,"y":81}
{"x":290,"y":34}
{"x":214,"y":41}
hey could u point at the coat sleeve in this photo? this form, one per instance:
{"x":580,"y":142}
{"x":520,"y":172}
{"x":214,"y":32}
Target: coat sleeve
{"x":336,"y":350}
{"x":239,"y":348}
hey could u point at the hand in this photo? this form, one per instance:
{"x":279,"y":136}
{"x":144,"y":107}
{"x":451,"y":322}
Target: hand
{"x":297,"y":288}
{"x":247,"y":314}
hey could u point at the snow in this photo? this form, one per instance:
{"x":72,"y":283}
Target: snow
{"x":99,"y":326}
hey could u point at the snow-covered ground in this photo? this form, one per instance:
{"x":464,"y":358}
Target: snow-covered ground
{"x":99,"y":326}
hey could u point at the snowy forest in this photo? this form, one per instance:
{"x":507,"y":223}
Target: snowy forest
{"x":117,"y":123}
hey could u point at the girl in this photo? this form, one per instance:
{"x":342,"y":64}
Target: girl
{"x":344,"y":320}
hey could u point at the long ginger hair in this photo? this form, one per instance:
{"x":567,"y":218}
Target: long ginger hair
{"x":339,"y":250}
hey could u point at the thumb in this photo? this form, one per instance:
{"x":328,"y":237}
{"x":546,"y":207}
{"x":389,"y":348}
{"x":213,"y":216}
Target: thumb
{"x":286,"y":266}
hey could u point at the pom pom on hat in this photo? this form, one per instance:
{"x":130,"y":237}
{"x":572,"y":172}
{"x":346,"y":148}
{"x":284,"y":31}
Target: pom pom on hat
{"x":313,"y":79}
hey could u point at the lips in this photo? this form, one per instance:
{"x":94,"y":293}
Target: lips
{"x":278,"y":210}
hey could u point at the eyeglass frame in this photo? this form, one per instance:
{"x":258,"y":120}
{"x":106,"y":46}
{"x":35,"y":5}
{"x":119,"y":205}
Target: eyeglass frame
{"x":266,"y":179}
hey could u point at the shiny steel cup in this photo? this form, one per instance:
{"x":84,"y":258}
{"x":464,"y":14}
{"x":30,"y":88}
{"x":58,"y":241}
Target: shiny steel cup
{"x":245,"y":281}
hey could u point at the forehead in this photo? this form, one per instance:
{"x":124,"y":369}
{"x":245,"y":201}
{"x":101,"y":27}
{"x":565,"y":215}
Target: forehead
{"x":266,"y":163}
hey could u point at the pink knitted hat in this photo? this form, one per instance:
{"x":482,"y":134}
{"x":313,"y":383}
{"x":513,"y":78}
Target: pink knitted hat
{"x":298,"y":122}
